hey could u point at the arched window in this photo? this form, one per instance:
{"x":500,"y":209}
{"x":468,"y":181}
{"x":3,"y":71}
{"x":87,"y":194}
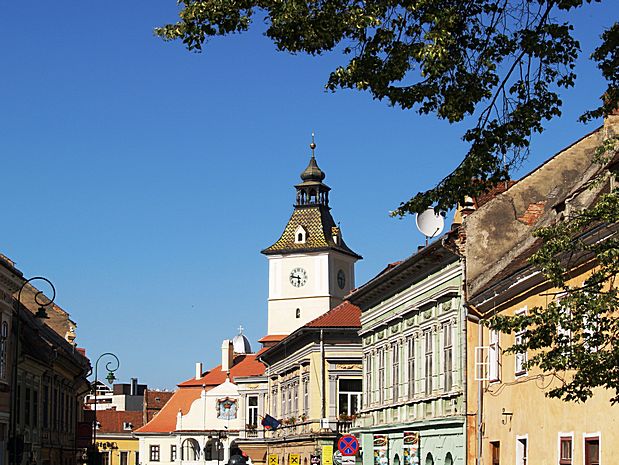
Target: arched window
{"x":449,"y":459}
{"x":429,"y":459}
{"x":190,"y":449}
{"x":396,"y":460}
{"x":298,"y":313}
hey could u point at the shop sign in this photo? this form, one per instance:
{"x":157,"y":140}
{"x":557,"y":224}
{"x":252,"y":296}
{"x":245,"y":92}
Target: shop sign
{"x":381,"y":449}
{"x":327,"y":455}
{"x":411,"y":448}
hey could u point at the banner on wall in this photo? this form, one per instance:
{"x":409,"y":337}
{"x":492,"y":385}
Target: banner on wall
{"x":381,"y":449}
{"x":273,"y":459}
{"x":411,"y":448}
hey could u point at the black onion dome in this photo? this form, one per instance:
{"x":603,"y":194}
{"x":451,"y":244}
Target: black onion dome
{"x":312,"y":172}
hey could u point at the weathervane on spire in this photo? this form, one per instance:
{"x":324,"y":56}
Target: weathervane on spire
{"x":313,"y":145}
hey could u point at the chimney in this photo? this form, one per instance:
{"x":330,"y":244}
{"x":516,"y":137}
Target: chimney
{"x":227,"y":354}
{"x":134,"y":387}
{"x":198,"y":370}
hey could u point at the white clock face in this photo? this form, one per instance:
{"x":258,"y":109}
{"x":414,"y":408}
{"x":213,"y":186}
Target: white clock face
{"x":298,"y":277}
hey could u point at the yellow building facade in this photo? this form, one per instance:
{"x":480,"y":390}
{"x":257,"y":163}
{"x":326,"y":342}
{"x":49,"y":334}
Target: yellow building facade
{"x":510,"y":419}
{"x":115,"y":441}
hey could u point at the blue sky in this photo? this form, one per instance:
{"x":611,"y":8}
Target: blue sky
{"x":144,"y":180}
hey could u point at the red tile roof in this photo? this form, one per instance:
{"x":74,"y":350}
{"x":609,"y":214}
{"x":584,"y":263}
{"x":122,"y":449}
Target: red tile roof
{"x":272,"y":338}
{"x":244,"y":365}
{"x":190,"y":390}
{"x":165,"y":420}
{"x":345,"y":315}
{"x":157,"y":399}
{"x":112,"y":421}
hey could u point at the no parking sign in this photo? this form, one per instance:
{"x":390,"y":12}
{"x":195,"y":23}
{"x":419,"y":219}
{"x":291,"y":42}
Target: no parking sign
{"x":348,"y":445}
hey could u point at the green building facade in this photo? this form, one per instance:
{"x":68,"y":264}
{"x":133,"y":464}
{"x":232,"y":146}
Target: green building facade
{"x":413,"y":336}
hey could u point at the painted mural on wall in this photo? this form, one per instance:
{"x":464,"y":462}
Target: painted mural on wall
{"x":226,"y":409}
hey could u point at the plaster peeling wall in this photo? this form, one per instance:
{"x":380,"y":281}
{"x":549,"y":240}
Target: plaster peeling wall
{"x":500,"y":231}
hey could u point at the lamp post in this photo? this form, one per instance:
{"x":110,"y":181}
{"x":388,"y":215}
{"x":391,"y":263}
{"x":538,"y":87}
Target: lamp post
{"x":111,"y":366}
{"x":43,"y":302}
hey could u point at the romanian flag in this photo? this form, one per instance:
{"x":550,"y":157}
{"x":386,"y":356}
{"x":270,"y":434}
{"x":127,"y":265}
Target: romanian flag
{"x":270,"y":423}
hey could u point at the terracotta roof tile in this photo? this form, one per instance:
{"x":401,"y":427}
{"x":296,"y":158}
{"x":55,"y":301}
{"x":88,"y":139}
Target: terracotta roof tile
{"x":113,"y":421}
{"x":345,"y":315}
{"x":165,"y":420}
{"x":272,"y":338}
{"x":244,"y":365}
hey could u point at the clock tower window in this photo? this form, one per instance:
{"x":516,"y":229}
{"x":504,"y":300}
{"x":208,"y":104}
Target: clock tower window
{"x":300,"y":235}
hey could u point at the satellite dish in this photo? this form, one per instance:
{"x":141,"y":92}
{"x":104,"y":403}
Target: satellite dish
{"x":430,"y":223}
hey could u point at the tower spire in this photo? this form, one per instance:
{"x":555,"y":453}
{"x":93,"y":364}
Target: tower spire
{"x":312,"y":191}
{"x":313,"y":145}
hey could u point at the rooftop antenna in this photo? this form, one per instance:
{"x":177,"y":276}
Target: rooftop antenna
{"x":430,"y":223}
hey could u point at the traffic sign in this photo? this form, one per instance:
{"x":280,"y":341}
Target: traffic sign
{"x":337,"y":458}
{"x":348,"y":445}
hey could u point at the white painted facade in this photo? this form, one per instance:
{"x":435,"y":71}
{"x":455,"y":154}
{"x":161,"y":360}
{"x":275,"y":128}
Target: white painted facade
{"x":291,"y":306}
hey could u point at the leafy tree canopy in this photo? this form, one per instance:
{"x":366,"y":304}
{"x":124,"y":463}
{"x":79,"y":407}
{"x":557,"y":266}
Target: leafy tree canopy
{"x":499,"y":63}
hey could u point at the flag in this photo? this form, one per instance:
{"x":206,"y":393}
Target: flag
{"x":270,"y":423}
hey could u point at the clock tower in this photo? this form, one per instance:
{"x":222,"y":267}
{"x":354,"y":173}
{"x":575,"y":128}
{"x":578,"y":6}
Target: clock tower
{"x":311,"y":268}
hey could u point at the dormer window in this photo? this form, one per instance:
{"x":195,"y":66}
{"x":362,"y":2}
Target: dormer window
{"x":127,"y":426}
{"x":300,"y":235}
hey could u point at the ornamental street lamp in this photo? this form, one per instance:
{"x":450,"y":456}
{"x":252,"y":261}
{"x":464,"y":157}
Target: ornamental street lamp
{"x":40,"y":299}
{"x":111,"y":366}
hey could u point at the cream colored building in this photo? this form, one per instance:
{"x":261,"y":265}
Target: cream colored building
{"x":314,"y":384}
{"x":511,"y":420}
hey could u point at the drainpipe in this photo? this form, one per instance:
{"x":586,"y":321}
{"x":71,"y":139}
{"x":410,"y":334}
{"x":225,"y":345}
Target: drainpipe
{"x":322,"y":375}
{"x":480,"y":400}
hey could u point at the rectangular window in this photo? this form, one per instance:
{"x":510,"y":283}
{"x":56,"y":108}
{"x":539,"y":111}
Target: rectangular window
{"x":495,"y":452}
{"x":520,"y":361}
{"x":448,"y":356}
{"x":381,"y":375}
{"x":172,"y":453}
{"x":349,"y":397}
{"x":494,"y":357}
{"x":565,"y":450}
{"x":368,"y":380}
{"x":306,"y":396}
{"x":27,"y":411}
{"x":289,"y":391}
{"x":428,"y":367}
{"x":252,"y":410}
{"x":45,"y":407}
{"x":124,"y":458}
{"x":35,"y":408}
{"x":592,"y":451}
{"x":411,"y":367}
{"x":137,"y":457}
{"x":274,"y":402}
{"x":105,"y":458}
{"x":395,"y":381}
{"x":154,"y":453}
{"x":295,"y":399}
